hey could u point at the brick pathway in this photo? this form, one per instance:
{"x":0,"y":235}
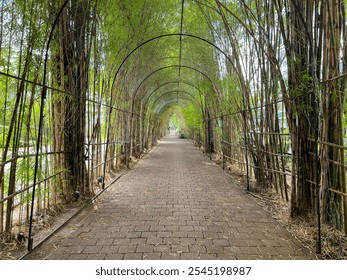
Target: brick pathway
{"x":176,"y":204}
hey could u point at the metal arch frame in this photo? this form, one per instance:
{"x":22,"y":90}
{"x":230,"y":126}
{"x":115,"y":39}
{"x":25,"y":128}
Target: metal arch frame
{"x":169,"y":93}
{"x":201,"y":105}
{"x":133,"y":99}
{"x":196,"y":67}
{"x":174,"y":66}
{"x":181,"y":35}
{"x":167,"y":67}
{"x":149,"y":96}
{"x":164,"y":36}
{"x":169,"y":103}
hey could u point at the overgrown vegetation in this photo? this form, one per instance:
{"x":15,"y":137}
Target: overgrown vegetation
{"x":89,"y":85}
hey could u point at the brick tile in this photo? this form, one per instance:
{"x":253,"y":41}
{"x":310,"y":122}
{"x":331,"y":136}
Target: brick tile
{"x":109,"y":249}
{"x":223,"y":242}
{"x":151,"y":256}
{"x":268,"y":250}
{"x":157,"y":228}
{"x":186,"y":228}
{"x":136,"y":234}
{"x":145,"y":249}
{"x":170,"y":256}
{"x":172,"y":240}
{"x":250,"y":250}
{"x":76,"y":249}
{"x":133,"y":256}
{"x":121,"y":241}
{"x":195,"y":234}
{"x":92,"y":249}
{"x":69,"y":241}
{"x":127,"y":249}
{"x":187,"y":240}
{"x":180,"y":234}
{"x":189,"y":256}
{"x":114,"y":256}
{"x":112,"y":229}
{"x":215,"y":249}
{"x":142,"y":228}
{"x":138,"y":241}
{"x":154,"y":240}
{"x":272,"y":243}
{"x":170,"y":228}
{"x":86,"y":235}
{"x":66,"y":251}
{"x":117,"y":235}
{"x":108,"y":241}
{"x":211,"y":235}
{"x":148,"y":234}
{"x":162,"y":248}
{"x":88,"y":242}
{"x":164,"y":234}
{"x":201,"y":249}
{"x":180,"y":248}
{"x":204,"y":241}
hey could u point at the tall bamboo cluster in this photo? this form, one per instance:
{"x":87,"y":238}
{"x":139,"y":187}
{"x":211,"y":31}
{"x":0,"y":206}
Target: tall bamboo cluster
{"x":289,"y":59}
{"x":89,"y":130}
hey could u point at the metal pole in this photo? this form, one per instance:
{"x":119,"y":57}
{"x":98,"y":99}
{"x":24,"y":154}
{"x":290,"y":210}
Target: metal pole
{"x":246,"y":147}
{"x":141,"y":127}
{"x":209,"y":136}
{"x":317,"y":175}
{"x":222,"y":144}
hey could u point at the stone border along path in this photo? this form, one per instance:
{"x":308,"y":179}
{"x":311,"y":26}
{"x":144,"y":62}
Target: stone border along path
{"x":175,"y":204}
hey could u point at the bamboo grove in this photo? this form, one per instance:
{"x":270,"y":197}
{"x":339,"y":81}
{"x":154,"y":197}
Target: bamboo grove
{"x":88,"y":86}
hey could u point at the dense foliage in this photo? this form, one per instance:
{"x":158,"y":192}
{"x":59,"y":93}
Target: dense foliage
{"x":87,"y":86}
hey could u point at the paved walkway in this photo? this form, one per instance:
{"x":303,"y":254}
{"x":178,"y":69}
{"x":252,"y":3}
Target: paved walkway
{"x":176,"y":204}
